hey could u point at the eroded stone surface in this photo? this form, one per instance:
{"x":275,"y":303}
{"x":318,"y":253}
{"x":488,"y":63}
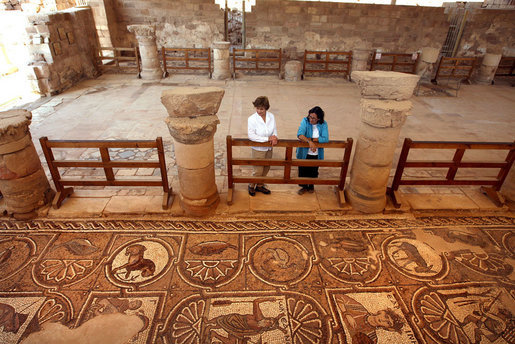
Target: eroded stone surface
{"x":193,"y":130}
{"x":192,"y":101}
{"x":385,"y":85}
{"x":293,"y":71}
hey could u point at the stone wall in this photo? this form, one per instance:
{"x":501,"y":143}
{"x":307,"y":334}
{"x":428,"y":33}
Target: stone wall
{"x":488,"y":31}
{"x":179,"y":23}
{"x":64,"y":47}
{"x":343,"y":26}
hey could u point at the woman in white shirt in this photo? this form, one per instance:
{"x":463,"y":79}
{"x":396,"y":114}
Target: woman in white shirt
{"x":261,"y":128}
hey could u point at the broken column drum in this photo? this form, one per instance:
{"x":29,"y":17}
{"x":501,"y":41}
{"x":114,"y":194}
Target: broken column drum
{"x":221,"y":61}
{"x":488,"y":68}
{"x":150,"y":63}
{"x":360,"y":59}
{"x":192,"y":122}
{"x":427,"y":59}
{"x":23,"y":182}
{"x":384,"y":107}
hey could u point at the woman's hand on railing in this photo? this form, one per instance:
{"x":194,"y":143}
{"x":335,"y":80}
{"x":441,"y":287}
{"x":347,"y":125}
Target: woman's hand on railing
{"x":273,"y":140}
{"x":312,"y":146}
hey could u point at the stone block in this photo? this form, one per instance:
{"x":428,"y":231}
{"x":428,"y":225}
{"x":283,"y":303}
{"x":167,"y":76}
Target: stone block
{"x":385,"y":85}
{"x":192,"y":101}
{"x":384,"y":113}
{"x":198,"y":183}
{"x":293,"y":71}
{"x":194,"y":156}
{"x":192,"y":130}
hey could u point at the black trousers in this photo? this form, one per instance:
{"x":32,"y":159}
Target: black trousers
{"x":309,"y":171}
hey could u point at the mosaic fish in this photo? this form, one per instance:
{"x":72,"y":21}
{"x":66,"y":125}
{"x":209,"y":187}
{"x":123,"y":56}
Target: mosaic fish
{"x":6,"y":254}
{"x":79,"y":247}
{"x":346,"y":244}
{"x":208,"y":248}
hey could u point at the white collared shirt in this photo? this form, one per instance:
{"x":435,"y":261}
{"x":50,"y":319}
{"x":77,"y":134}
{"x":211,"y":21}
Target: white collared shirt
{"x":259,"y":131}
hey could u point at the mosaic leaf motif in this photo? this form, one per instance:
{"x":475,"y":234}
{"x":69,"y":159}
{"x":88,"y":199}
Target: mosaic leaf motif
{"x":490,"y":264}
{"x":59,"y":270}
{"x":188,"y":324}
{"x":441,"y":320}
{"x":305,"y":321}
{"x":351,"y":266}
{"x":210,"y":270}
{"x":51,"y":311}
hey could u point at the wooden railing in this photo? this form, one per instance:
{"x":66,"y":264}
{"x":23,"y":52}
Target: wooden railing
{"x":186,"y":58}
{"x":506,"y":66}
{"x":327,"y":62}
{"x":121,"y":60}
{"x":107,"y":164}
{"x":396,"y":62}
{"x":455,"y":68}
{"x":453,"y":166}
{"x":256,"y":60}
{"x":287,"y":163}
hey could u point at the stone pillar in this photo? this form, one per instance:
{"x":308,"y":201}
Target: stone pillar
{"x":427,"y":59}
{"x":487,"y":69}
{"x":192,"y":123}
{"x":293,"y":71}
{"x":150,"y":62}
{"x":221,"y":60}
{"x":360,"y":59}
{"x":384,"y":107}
{"x":23,"y":182}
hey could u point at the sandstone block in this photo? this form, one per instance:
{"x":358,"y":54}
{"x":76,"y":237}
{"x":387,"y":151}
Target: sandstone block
{"x":14,"y":125}
{"x":20,"y":163}
{"x":198,"y":183}
{"x":191,"y":101}
{"x":192,"y":130}
{"x":293,"y":71}
{"x":385,"y":85}
{"x":194,"y":156}
{"x":384,"y":113}
{"x":23,"y":195}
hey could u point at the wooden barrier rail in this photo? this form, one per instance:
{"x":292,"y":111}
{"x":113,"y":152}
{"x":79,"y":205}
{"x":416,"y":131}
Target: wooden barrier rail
{"x":456,"y":69}
{"x":107,"y":164}
{"x":186,"y":58}
{"x":117,"y":62}
{"x":331,"y":61}
{"x":259,"y":60}
{"x":287,"y":163}
{"x":453,"y":166}
{"x":396,"y":62}
{"x":506,"y":66}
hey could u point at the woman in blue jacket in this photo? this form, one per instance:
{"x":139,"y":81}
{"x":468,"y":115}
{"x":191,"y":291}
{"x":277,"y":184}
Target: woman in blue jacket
{"x":313,"y":130}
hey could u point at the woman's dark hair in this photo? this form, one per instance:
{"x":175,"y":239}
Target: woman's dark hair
{"x":261,"y":102}
{"x":319,"y":112}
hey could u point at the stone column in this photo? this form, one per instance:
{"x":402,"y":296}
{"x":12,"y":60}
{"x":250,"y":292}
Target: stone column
{"x":23,"y":182}
{"x":487,"y":69}
{"x":293,"y":71}
{"x":384,"y":107}
{"x":221,"y":60}
{"x":150,"y":63}
{"x":360,"y":59}
{"x":192,"y":123}
{"x":508,"y":187}
{"x":427,"y":59}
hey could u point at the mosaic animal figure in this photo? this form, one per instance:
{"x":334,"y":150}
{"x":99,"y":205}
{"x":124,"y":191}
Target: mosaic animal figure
{"x":137,"y":262}
{"x":209,"y":248}
{"x":412,"y":255}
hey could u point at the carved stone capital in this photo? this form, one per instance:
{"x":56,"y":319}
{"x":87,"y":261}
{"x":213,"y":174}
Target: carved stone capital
{"x":143,"y":31}
{"x":14,"y":125}
{"x":191,"y":101}
{"x":385,"y":85}
{"x":192,"y":130}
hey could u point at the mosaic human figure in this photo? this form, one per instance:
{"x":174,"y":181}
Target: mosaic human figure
{"x":240,"y":327}
{"x":10,"y":320}
{"x":363,"y":324}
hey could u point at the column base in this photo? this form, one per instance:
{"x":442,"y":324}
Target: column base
{"x":155,"y":74}
{"x":365,"y":204}
{"x":199,"y":207}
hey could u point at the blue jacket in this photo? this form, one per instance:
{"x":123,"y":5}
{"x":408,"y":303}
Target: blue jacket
{"x":306,"y":129}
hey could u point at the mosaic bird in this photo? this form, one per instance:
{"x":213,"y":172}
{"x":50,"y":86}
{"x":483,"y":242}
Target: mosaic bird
{"x":209,"y":248}
{"x":280,"y":258}
{"x":78,"y":247}
{"x":6,"y":254}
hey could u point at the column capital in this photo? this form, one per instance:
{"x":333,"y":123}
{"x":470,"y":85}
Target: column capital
{"x":385,"y":85}
{"x":192,"y":101}
{"x":142,"y":31}
{"x":192,"y":130}
{"x":14,"y":124}
{"x":221,"y":45}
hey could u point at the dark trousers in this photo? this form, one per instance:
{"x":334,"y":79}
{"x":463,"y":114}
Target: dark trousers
{"x":309,"y":171}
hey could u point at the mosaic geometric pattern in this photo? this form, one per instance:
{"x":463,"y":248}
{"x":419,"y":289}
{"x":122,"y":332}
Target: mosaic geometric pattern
{"x":422,"y":280}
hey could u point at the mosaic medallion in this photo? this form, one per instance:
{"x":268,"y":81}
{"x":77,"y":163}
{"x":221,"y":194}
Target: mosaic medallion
{"x":139,"y":262}
{"x":279,"y":260}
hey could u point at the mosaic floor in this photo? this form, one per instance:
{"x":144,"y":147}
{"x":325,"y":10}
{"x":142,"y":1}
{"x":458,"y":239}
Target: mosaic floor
{"x":420,"y":280}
